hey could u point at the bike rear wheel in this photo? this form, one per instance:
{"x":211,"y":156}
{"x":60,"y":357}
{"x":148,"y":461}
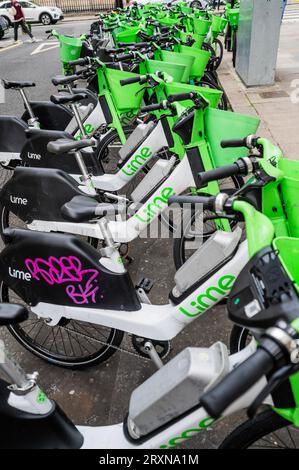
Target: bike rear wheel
{"x":72,"y":344}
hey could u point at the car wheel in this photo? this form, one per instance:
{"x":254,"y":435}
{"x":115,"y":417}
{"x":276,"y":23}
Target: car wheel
{"x":46,"y":19}
{"x":1,"y":34}
{"x":8,"y":21}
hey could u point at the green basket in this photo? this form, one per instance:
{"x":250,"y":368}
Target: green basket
{"x":120,"y":93}
{"x":70,"y":48}
{"x":176,"y":71}
{"x":233,"y":16}
{"x":199,"y":39}
{"x":225,"y":125}
{"x":186,"y":10}
{"x":201,"y":59}
{"x":130,"y":35}
{"x":201,"y":26}
{"x":218,"y":24}
{"x":168,"y":21}
{"x":212,"y":95}
{"x":177,"y":58}
{"x":288,"y":250}
{"x":290,"y":191}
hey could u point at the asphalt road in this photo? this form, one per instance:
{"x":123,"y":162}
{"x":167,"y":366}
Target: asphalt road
{"x":100,"y":395}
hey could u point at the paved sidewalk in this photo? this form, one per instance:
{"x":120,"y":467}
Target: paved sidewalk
{"x":278,"y":105}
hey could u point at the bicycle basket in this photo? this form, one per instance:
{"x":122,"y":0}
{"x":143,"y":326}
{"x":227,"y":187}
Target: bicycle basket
{"x":212,"y":95}
{"x":218,"y":24}
{"x":224,"y":125}
{"x":201,"y":26}
{"x":70,"y":48}
{"x":289,"y":192}
{"x":201,"y":59}
{"x":288,"y":251}
{"x":176,"y":71}
{"x":125,"y":97}
{"x":176,"y":58}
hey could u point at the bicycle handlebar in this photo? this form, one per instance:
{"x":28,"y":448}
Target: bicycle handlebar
{"x":181,"y":97}
{"x":139,"y":79}
{"x":80,"y":62}
{"x":154,"y":107}
{"x":248,"y":142}
{"x":206,"y":201}
{"x":121,"y":57}
{"x":240,"y":167}
{"x":238,"y":382}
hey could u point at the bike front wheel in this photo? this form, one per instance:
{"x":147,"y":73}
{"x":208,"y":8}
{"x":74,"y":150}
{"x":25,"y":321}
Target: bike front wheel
{"x":267,"y":430}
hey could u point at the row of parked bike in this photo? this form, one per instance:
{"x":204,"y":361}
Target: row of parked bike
{"x":139,"y":126}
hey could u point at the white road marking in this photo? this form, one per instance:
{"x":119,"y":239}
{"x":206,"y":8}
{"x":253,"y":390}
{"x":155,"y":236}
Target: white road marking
{"x":45,"y":47}
{"x":291,"y":14}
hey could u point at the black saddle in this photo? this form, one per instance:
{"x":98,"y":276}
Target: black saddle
{"x":68,"y":99}
{"x":17,"y":85}
{"x":11,"y":314}
{"x":85,"y":208}
{"x":68,"y":145}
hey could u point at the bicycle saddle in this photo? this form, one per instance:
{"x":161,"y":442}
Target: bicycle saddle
{"x":85,"y":208}
{"x":67,"y":145}
{"x":64,"y":80}
{"x":11,"y":314}
{"x":17,"y":85}
{"x":68,"y":99}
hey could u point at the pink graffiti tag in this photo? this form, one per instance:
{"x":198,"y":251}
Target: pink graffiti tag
{"x":82,"y":287}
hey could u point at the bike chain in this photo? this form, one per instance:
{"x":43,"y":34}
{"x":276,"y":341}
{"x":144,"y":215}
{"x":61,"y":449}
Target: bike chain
{"x":117,"y":348}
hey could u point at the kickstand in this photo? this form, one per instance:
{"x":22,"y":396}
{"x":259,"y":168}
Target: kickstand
{"x":151,"y":351}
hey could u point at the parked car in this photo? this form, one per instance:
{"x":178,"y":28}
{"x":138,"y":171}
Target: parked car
{"x":4,"y":26}
{"x":33,"y":13}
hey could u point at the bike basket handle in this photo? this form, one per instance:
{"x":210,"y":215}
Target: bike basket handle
{"x":80,"y":62}
{"x":237,"y":382}
{"x":181,"y":97}
{"x":205,"y":201}
{"x":238,"y":168}
{"x":234,"y":143}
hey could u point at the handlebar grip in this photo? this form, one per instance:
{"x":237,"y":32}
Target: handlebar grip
{"x":237,"y":382}
{"x":80,"y":62}
{"x":153,"y":107}
{"x":218,"y":174}
{"x":129,"y":81}
{"x":128,"y":56}
{"x":234,"y":143}
{"x":207,"y":202}
{"x":181,"y":97}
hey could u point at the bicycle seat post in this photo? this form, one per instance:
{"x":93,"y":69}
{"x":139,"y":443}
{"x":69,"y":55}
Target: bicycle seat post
{"x":33,"y":121}
{"x":86,"y":177}
{"x":79,"y":120}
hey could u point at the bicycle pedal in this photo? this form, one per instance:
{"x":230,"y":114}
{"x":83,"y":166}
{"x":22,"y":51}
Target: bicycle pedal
{"x":146,"y":285}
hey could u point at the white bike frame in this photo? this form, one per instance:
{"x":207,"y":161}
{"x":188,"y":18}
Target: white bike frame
{"x":113,"y":436}
{"x":126,"y":231}
{"x":154,"y":321}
